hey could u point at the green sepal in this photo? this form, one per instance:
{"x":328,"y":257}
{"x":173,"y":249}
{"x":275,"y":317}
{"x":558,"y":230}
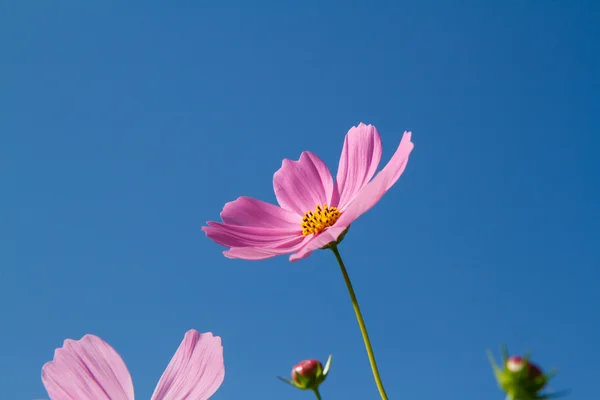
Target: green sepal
{"x":289,"y":382}
{"x":331,"y":245}
{"x":505,"y":355}
{"x":495,"y":367}
{"x":551,"y":374}
{"x":304,"y":382}
{"x":327,"y":366}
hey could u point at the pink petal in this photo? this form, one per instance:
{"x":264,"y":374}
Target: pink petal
{"x":372,"y":193}
{"x":87,"y":369}
{"x":248,"y":236}
{"x":318,"y":241}
{"x":252,"y":212}
{"x":253,"y":253}
{"x":358,"y":163}
{"x":301,"y":185}
{"x":249,"y":253}
{"x":196,"y":370}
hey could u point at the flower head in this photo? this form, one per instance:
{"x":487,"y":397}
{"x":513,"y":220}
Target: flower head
{"x":90,"y":369}
{"x":314,"y":211}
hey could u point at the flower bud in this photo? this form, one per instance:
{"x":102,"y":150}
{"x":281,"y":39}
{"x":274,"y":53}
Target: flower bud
{"x":308,"y":374}
{"x":516,"y":364}
{"x":525,"y":372}
{"x":521,"y":379}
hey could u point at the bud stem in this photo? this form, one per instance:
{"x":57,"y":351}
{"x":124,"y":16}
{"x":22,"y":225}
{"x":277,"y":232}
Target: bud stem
{"x":361,"y":324}
{"x":317,"y":393}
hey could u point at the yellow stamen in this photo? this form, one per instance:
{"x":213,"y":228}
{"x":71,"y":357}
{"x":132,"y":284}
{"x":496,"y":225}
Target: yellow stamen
{"x":316,"y":222}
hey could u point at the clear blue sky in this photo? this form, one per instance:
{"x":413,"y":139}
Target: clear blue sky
{"x":123,"y":128}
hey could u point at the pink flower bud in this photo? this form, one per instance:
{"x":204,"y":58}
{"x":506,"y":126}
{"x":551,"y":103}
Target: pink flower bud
{"x":307,"y":373}
{"x":517,"y":363}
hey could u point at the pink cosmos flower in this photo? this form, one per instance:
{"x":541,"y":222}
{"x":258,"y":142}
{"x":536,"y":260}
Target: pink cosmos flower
{"x":313,"y":210}
{"x":90,"y":369}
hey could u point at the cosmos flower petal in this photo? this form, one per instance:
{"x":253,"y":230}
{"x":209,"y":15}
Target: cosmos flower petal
{"x":87,"y":369}
{"x":301,"y":185}
{"x":318,"y":241}
{"x":359,"y":160}
{"x":255,"y":253}
{"x":248,"y":236}
{"x":397,"y":163}
{"x":252,"y":212}
{"x":249,"y":253}
{"x":372,"y":193}
{"x":196,"y":370}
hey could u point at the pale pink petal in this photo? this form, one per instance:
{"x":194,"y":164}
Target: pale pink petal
{"x":372,"y":193}
{"x":248,"y":236}
{"x":358,"y":163}
{"x":252,"y":212}
{"x":318,"y":241}
{"x":397,"y":163}
{"x":253,"y":253}
{"x":301,"y":185}
{"x":249,"y":253}
{"x":196,"y":370}
{"x":87,"y":369}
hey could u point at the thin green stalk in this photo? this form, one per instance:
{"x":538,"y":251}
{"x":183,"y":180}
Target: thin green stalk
{"x":361,"y":324}
{"x":317,"y":394}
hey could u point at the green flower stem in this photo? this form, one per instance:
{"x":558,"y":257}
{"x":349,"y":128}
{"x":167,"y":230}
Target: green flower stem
{"x":361,"y":324}
{"x":317,"y":394}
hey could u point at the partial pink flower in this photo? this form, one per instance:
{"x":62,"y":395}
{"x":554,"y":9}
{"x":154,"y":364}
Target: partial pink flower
{"x":313,"y":210}
{"x":90,"y":369}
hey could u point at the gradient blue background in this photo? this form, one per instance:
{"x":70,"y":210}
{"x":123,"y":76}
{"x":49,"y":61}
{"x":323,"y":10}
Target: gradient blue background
{"x":125,"y":127}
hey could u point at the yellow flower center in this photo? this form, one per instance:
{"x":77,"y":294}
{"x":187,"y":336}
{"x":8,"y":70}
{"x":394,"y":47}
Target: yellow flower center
{"x":316,"y":222}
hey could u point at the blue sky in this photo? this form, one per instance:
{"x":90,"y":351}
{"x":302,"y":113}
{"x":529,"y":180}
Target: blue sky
{"x":124,"y":127}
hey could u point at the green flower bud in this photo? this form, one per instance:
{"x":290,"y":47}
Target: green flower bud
{"x":521,"y":379}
